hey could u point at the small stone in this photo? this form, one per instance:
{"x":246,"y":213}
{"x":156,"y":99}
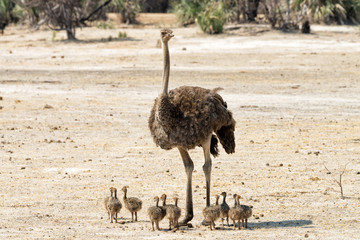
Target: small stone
{"x":281,"y":165}
{"x":47,"y":106}
{"x":306,"y":235}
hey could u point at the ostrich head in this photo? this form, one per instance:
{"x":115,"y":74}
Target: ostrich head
{"x":156,"y":198}
{"x":223,"y":194}
{"x":166,"y":35}
{"x":163,"y":197}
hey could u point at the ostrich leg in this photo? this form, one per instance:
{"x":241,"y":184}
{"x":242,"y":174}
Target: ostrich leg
{"x":207,"y":168}
{"x":189,"y":167}
{"x":207,"y":171}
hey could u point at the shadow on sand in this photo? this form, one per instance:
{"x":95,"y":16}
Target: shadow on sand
{"x":282,"y":224}
{"x":100,"y":40}
{"x":270,"y":224}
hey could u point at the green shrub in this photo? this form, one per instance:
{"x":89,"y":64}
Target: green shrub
{"x":127,"y":8}
{"x":340,"y":11}
{"x":122,"y":35}
{"x":212,"y":18}
{"x":211,"y":15}
{"x":187,"y":11}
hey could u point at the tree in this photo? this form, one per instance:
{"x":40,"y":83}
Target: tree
{"x":63,"y":14}
{"x":127,"y":8}
{"x":340,"y":11}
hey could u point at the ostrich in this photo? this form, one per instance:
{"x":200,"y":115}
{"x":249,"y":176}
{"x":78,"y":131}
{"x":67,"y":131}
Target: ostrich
{"x":187,"y":117}
{"x":155,"y":214}
{"x":114,"y":206}
{"x":107,"y":199}
{"x":211,"y":213}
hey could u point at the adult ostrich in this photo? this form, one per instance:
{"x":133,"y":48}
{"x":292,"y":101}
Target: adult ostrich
{"x":187,"y":117}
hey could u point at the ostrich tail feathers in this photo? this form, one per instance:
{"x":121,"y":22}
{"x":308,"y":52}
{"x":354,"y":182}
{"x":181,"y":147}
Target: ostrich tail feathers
{"x":215,"y":90}
{"x":227,"y":138}
{"x":214,"y":146}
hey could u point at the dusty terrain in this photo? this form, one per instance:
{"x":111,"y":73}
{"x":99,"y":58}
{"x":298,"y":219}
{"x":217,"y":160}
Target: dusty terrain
{"x":74,"y":123}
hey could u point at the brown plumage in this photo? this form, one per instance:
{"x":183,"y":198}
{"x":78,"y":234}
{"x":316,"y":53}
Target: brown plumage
{"x":132,"y":204}
{"x":155,"y":214}
{"x":173,"y":212}
{"x":114,"y":206}
{"x":236,"y":213}
{"x":106,"y":201}
{"x":246,"y":212}
{"x":187,"y":117}
{"x":224,"y":210}
{"x":212,"y":213}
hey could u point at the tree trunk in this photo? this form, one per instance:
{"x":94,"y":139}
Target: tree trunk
{"x":287,"y":18}
{"x":252,"y":9}
{"x":70,"y":32}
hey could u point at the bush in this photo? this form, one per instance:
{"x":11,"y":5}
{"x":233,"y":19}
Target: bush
{"x":212,"y":18}
{"x":340,"y":11}
{"x":187,"y":11}
{"x":211,"y":15}
{"x":127,"y":8}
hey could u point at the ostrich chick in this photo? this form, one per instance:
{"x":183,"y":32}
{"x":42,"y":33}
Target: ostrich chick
{"x":212,"y":213}
{"x":155,"y":214}
{"x":224,"y":209}
{"x":247,"y":212}
{"x":114,"y":206}
{"x":173,"y":212}
{"x":236,"y":213}
{"x":132,"y":204}
{"x":107,"y":199}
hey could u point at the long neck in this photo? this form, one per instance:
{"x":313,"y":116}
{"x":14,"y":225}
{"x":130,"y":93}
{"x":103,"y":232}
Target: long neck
{"x":164,"y":201}
{"x":125,"y":193}
{"x":235,"y":203}
{"x":115,"y":194}
{"x":157,"y":202}
{"x":166,"y":73}
{"x":176,"y":201}
{"x":238,"y":201}
{"x":224,"y":197}
{"x":217,"y":201}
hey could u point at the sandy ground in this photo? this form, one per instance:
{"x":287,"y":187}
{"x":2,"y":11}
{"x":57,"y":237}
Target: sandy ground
{"x":74,"y":123}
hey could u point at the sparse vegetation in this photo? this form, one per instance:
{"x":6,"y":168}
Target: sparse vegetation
{"x":340,"y":11}
{"x":127,"y":8}
{"x":210,"y":15}
{"x":63,"y":15}
{"x":122,"y":35}
{"x":213,"y":16}
{"x":187,"y":11}
{"x":105,"y":25}
{"x":339,"y":181}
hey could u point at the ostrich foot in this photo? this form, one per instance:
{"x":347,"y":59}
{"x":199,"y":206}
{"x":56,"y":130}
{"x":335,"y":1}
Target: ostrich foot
{"x":185,"y":221}
{"x":205,"y":223}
